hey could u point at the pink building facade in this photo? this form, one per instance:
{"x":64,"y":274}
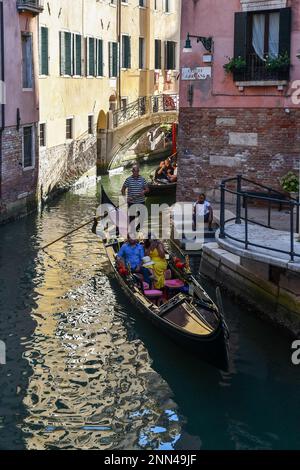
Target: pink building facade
{"x":245,"y":119}
{"x":20,"y":107}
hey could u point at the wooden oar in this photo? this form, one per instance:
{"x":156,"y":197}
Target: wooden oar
{"x":69,"y":233}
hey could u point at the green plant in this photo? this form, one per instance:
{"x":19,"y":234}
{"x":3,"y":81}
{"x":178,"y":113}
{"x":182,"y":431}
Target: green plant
{"x":235,"y":63}
{"x":290,"y":182}
{"x":280,"y":62}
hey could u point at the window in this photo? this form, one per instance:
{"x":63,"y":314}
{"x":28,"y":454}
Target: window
{"x":259,"y":37}
{"x":170,"y":57}
{"x":123,"y":104}
{"x":155,"y":4}
{"x":113,"y":54}
{"x":66,"y":52}
{"x":157,"y":59}
{"x":77,"y":56}
{"x":28,"y":147}
{"x":69,"y":128}
{"x":142,"y":3}
{"x":167,"y":6}
{"x":141,"y":53}
{"x":27,"y":61}
{"x":44,"y":48}
{"x":91,"y":124}
{"x":126,"y":52}
{"x":99,"y":45}
{"x":42,"y":135}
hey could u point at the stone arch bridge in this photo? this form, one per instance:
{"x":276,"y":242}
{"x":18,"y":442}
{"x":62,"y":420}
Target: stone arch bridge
{"x":117,"y":130}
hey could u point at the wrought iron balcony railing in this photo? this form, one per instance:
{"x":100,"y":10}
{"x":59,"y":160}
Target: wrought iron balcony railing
{"x":257,"y":69}
{"x":33,"y":6}
{"x":145,"y":105}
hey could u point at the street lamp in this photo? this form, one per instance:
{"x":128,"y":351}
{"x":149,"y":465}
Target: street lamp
{"x":207,"y":42}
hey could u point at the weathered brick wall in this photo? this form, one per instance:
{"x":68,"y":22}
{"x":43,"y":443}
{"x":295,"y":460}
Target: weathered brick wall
{"x":60,"y":166}
{"x":18,"y":185}
{"x":213,"y":144}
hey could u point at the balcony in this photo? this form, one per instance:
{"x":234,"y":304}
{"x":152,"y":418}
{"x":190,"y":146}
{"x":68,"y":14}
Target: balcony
{"x":258,"y":70}
{"x":31,"y":6}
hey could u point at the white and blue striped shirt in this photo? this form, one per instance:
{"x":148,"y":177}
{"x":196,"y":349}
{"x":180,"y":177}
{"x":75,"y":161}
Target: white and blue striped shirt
{"x":135,"y":187}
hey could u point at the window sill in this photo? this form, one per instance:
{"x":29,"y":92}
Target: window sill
{"x":263,"y":83}
{"x":28,"y":168}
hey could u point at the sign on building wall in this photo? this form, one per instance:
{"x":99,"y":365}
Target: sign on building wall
{"x":198,"y":73}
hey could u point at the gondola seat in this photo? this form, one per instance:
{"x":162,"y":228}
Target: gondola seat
{"x":174,"y":283}
{"x":154,"y":295}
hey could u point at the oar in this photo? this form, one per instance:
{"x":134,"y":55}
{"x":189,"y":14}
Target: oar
{"x":69,"y":233}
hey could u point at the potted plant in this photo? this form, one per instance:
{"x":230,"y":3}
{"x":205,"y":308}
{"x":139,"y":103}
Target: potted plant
{"x":235,"y":63}
{"x":281,"y":62}
{"x":290,"y":183}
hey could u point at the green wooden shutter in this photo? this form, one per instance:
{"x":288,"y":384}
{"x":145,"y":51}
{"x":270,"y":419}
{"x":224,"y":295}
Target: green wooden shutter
{"x":240,"y":34}
{"x":91,"y":57}
{"x":44,"y":70}
{"x":68,"y":53}
{"x":62,"y":53}
{"x":110,"y":59}
{"x":129,"y":53}
{"x":157,"y":54}
{"x":78,"y":54}
{"x":116,"y":59}
{"x":100,"y":58}
{"x":285,"y":31}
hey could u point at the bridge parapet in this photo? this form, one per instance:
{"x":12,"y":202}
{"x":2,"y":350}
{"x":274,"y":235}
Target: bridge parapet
{"x":145,"y":105}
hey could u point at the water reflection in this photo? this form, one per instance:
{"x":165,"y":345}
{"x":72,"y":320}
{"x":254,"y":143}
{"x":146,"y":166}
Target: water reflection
{"x":84,"y":370}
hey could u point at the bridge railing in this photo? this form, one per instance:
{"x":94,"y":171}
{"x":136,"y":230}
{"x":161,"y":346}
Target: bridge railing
{"x":145,"y":105}
{"x":261,"y":194}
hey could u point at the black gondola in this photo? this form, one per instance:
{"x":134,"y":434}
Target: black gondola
{"x":189,"y":317}
{"x":159,"y":188}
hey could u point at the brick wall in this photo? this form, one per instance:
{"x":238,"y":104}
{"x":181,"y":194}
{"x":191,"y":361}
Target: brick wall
{"x":18,"y":186}
{"x":60,"y":166}
{"x":213,"y":144}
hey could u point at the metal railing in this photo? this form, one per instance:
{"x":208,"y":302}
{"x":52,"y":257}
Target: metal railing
{"x":145,"y":105}
{"x":35,"y":6}
{"x":271,"y":197}
{"x":256,"y":69}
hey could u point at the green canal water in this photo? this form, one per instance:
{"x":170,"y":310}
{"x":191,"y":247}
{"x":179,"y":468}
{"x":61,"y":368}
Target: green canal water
{"x":84,"y":371}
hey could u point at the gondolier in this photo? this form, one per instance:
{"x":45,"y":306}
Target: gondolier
{"x":136,"y":187}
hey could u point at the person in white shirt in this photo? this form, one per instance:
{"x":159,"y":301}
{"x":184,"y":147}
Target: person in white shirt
{"x":202,"y":208}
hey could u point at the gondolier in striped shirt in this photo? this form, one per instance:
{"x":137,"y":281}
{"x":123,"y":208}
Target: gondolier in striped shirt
{"x":137,"y":188}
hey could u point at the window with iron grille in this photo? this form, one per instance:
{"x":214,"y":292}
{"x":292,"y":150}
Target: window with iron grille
{"x":260,"y":37}
{"x":28,"y":147}
{"x":69,"y":128}
{"x":91,"y":124}
{"x":42,"y":135}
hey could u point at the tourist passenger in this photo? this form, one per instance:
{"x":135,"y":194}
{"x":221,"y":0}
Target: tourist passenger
{"x":131,"y":253}
{"x":164,"y":168}
{"x":158,"y":256}
{"x":202,"y":208}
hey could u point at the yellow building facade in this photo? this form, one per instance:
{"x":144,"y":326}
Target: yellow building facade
{"x":97,"y":55}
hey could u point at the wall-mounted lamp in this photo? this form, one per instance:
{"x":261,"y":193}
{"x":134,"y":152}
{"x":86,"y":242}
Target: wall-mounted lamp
{"x":207,"y":42}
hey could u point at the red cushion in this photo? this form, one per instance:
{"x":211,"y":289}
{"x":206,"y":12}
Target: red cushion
{"x":174,"y":283}
{"x":153,"y":293}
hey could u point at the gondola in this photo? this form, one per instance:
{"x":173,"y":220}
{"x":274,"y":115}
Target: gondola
{"x":188,"y":316}
{"x":160,"y":188}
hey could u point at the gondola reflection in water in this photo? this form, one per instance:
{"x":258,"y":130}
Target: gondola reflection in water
{"x":188,"y":315}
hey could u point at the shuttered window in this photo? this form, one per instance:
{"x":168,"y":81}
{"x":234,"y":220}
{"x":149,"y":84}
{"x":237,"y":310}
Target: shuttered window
{"x":170,"y":55}
{"x":77,"y":68}
{"x":141,"y":53}
{"x":66,"y":53}
{"x":157,"y":59}
{"x":126,"y":52}
{"x":99,"y":58}
{"x":113,"y":55}
{"x":44,"y":48}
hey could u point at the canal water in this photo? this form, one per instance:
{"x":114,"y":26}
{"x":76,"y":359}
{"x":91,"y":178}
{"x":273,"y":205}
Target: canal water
{"x":84,"y":371}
